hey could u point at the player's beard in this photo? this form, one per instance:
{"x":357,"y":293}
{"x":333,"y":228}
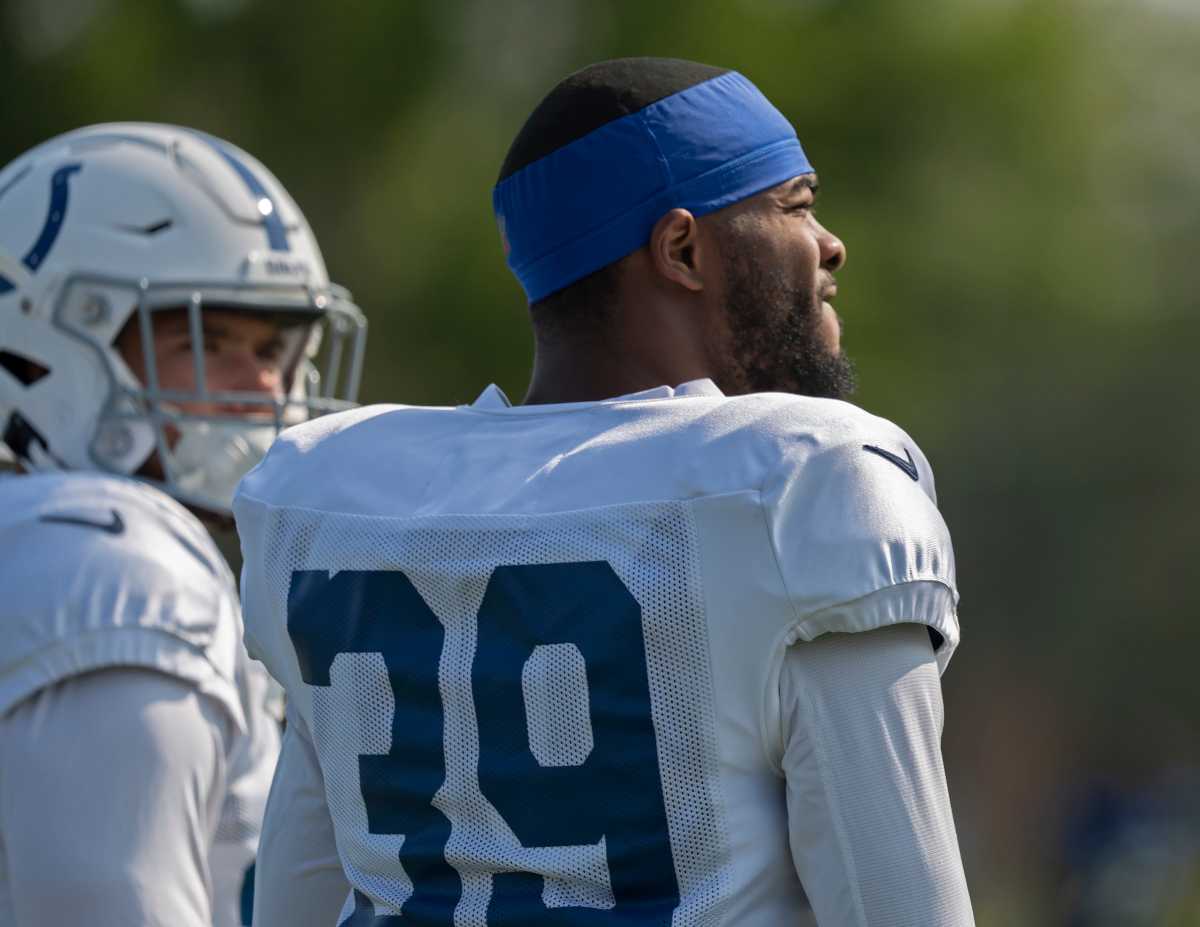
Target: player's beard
{"x":777,"y":344}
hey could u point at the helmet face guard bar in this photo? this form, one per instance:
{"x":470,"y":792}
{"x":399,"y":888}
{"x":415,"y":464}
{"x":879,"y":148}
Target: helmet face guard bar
{"x":322,"y":368}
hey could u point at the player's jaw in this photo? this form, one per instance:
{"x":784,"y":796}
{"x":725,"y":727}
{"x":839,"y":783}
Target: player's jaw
{"x":783,"y":334}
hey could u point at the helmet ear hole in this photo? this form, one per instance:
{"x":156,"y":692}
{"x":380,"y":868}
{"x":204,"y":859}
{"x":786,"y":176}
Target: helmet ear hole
{"x":25,"y":370}
{"x":20,"y":436}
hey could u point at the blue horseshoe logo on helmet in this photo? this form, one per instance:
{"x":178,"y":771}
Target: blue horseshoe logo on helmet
{"x":59,"y":195}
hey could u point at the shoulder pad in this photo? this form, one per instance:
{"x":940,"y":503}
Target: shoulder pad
{"x":102,"y":571}
{"x":299,"y":464}
{"x":854,"y":521}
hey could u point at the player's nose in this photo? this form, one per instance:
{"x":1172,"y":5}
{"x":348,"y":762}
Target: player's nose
{"x":833,"y":250}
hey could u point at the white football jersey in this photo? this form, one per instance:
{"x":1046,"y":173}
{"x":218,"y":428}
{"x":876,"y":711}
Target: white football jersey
{"x":101,"y":572}
{"x":539,"y":648}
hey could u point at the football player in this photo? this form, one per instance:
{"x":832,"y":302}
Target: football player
{"x":162,"y":303}
{"x":660,"y":646}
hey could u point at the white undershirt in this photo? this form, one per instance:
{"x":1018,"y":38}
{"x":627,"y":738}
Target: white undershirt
{"x":111,"y":789}
{"x":298,"y":877}
{"x":872,"y":834}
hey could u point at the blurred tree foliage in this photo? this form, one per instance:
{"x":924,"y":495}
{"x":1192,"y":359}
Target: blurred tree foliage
{"x":1016,"y":180}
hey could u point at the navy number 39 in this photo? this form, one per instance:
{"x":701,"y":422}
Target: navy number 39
{"x":616,"y":793}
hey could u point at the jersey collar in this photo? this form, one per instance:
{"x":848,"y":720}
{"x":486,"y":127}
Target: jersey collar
{"x":493,"y":398}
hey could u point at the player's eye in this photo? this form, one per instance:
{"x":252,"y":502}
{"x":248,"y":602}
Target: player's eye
{"x":212,"y":345}
{"x":180,"y":345}
{"x":272,"y":351}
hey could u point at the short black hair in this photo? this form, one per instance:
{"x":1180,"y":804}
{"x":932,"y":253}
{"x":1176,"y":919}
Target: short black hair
{"x":581,"y":103}
{"x":596,"y":95}
{"x":582,"y":307}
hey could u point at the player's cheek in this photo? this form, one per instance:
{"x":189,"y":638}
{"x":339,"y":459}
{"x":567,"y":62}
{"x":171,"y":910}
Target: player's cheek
{"x":175,"y":369}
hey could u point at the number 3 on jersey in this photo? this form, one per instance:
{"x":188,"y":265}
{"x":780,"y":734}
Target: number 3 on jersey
{"x":614,"y":794}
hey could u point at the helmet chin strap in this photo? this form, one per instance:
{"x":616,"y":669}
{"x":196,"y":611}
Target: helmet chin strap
{"x":14,"y":271}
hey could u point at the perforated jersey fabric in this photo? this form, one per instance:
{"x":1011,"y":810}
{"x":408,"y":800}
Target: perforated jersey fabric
{"x":103,"y":572}
{"x":487,"y":548}
{"x":449,"y":561}
{"x":558,"y":711}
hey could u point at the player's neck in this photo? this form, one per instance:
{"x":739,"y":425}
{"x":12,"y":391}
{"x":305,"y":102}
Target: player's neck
{"x":568,"y":376}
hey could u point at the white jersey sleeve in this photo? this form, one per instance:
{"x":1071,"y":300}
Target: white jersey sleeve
{"x":101,"y":572}
{"x":856,"y":530}
{"x":110,"y":785}
{"x":299,"y":879}
{"x":251,"y":766}
{"x":870,"y":826}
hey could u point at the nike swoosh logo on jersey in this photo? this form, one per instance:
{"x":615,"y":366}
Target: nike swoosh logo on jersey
{"x":908,"y":466}
{"x":115,"y":526}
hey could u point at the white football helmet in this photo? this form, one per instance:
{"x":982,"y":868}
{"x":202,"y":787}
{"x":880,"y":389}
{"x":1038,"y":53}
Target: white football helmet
{"x":112,"y":222}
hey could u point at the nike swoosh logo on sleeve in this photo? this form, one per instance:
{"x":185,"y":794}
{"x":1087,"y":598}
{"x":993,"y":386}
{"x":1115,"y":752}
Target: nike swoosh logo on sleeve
{"x":908,"y":466}
{"x":115,"y":526}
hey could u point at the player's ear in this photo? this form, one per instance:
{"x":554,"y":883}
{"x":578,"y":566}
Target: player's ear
{"x":677,"y":251}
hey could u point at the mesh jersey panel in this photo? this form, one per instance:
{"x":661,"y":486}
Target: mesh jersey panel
{"x":558,"y":711}
{"x":449,"y":560}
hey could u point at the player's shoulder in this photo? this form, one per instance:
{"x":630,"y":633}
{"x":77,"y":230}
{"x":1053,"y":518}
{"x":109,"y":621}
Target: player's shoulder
{"x":310,"y":458}
{"x":853,"y":515}
{"x":39,"y":488}
{"x":107,"y":571}
{"x":318,"y":434}
{"x":783,"y":416}
{"x":798,"y":436}
{"x":124,"y":522}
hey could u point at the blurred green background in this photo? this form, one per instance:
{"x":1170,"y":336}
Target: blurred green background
{"x":1018,"y":186}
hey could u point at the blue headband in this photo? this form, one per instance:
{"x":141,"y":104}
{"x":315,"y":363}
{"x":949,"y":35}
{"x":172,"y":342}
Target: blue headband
{"x":592,"y":202}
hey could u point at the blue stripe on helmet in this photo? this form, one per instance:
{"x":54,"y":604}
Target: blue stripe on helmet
{"x":277,"y":236}
{"x":60,"y":194}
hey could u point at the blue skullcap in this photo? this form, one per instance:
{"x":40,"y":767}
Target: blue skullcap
{"x":595,"y":200}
